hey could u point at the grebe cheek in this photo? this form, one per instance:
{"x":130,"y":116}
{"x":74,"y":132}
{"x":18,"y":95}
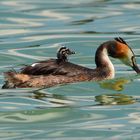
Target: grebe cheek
{"x":130,"y":60}
{"x":127,"y":58}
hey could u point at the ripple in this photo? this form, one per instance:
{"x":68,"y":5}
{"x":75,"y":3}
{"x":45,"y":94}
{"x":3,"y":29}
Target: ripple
{"x":34,"y":30}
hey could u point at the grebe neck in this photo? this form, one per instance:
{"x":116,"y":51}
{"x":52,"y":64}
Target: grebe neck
{"x":103,"y":61}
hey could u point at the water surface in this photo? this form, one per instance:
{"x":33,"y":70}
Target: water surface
{"x":34,"y":30}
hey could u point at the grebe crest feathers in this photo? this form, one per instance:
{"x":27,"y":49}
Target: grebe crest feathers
{"x":121,"y":40}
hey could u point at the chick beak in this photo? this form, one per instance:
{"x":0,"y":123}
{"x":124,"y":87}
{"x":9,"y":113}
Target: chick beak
{"x":71,"y":52}
{"x":136,"y":68}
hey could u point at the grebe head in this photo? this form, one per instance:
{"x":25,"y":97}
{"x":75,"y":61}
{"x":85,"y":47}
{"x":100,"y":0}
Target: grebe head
{"x":120,"y":49}
{"x":63,"y":53}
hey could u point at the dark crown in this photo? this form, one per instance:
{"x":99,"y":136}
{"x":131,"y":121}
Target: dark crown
{"x":119,"y":39}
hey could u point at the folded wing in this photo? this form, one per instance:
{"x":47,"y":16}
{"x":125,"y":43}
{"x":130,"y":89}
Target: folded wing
{"x":52,"y":67}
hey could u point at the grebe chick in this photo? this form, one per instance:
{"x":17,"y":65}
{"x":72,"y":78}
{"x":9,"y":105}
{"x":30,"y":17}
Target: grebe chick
{"x":51,"y":73}
{"x":62,"y":54}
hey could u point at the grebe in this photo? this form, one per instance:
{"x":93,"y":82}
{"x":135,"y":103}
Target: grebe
{"x":59,"y":71}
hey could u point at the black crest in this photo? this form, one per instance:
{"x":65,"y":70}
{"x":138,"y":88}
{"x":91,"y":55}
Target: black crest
{"x":119,"y":39}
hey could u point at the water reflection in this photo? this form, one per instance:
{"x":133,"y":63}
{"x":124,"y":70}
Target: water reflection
{"x":115,"y":99}
{"x":52,"y":98}
{"x":135,"y":117}
{"x":31,"y":116}
{"x":31,"y":31}
{"x":81,"y":22}
{"x":117,"y":84}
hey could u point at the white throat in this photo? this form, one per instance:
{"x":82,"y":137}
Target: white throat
{"x":108,"y":63}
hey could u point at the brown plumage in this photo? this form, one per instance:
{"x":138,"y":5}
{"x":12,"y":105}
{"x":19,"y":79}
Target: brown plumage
{"x":59,"y":71}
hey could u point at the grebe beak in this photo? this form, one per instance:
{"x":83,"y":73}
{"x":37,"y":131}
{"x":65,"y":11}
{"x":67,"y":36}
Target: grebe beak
{"x":135,"y":66}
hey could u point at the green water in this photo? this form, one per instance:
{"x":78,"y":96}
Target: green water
{"x":34,"y":30}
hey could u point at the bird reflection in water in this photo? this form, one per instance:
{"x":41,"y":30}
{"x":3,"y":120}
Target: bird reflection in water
{"x":52,"y":98}
{"x":116,"y":84}
{"x":115,"y":99}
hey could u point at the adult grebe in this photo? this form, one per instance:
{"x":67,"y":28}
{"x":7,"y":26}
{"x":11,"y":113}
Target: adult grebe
{"x":59,"y":71}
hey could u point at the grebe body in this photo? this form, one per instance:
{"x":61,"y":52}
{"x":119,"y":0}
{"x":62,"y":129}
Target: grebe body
{"x":59,"y":71}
